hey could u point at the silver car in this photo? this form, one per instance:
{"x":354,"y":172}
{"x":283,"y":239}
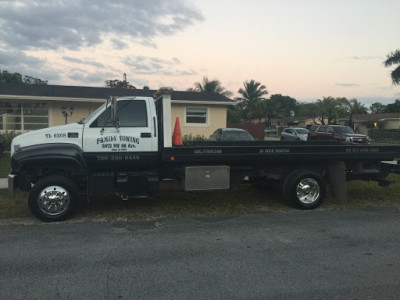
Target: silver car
{"x":294,"y":134}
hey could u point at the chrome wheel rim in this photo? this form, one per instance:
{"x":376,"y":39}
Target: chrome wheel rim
{"x":308,"y":190}
{"x":53,"y":200}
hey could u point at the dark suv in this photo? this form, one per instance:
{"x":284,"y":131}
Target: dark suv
{"x":340,"y":133}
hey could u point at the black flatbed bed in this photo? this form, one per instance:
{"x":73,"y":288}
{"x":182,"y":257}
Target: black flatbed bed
{"x":258,"y":152}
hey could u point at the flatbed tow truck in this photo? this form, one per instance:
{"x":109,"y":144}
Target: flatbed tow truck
{"x":125,"y":148}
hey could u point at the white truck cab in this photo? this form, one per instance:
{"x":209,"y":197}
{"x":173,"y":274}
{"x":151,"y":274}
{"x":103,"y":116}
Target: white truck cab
{"x":133,"y":128}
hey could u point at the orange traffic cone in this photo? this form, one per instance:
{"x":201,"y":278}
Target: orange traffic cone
{"x":177,"y":137}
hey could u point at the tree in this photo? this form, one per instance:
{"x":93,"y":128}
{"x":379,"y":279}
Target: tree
{"x":285,"y":106}
{"x":33,"y":80}
{"x":252,"y":96}
{"x":356,"y":107}
{"x":7,"y":77}
{"x":393,"y":107}
{"x":118,"y":84}
{"x":393,"y":58}
{"x":213,"y":86}
{"x":377,"y":108}
{"x":234,"y":114}
{"x":332,"y":108}
{"x":309,"y":109}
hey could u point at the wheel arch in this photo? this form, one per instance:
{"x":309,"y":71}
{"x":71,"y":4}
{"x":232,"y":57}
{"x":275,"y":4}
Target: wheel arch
{"x":36,"y":161}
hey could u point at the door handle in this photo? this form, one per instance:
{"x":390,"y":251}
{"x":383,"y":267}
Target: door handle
{"x":145,"y":135}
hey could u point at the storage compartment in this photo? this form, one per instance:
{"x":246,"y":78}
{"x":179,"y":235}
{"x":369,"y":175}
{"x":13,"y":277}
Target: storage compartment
{"x":199,"y":178}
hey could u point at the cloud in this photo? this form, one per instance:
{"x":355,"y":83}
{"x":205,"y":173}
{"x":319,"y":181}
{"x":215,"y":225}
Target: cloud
{"x":152,"y":65}
{"x":18,"y":62}
{"x":89,"y":78}
{"x":365,"y":57}
{"x":17,"y":59}
{"x":347,"y":84}
{"x":49,"y":24}
{"x":83,"y":62}
{"x":118,"y":44}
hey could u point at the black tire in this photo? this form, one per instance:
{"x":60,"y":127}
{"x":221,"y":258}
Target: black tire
{"x":53,"y":198}
{"x":304,"y":189}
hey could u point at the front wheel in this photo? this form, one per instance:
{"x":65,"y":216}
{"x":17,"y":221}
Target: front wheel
{"x":304,"y":189}
{"x":53,"y":198}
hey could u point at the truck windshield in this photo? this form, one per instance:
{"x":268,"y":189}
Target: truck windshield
{"x":88,"y":118}
{"x":344,"y":129}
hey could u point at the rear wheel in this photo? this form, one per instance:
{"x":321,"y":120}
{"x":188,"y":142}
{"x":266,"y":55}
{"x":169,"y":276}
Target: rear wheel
{"x":53,"y":198}
{"x":304,"y":189}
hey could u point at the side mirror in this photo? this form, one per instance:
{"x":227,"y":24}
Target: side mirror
{"x":114,"y":117}
{"x":112,"y":101}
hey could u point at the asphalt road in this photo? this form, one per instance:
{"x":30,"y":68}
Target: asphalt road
{"x":301,"y":255}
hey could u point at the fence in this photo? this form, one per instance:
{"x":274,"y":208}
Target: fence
{"x":384,"y":136}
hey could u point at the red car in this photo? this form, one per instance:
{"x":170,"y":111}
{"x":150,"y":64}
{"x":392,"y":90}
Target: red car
{"x":340,"y":133}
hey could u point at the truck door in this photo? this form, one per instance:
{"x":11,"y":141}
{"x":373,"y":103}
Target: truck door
{"x":130,"y":145}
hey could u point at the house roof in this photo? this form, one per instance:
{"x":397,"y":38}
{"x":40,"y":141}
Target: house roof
{"x":294,"y":119}
{"x":102,"y":93}
{"x":375,"y":117}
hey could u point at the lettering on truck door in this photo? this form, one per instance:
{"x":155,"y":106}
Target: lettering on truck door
{"x":131,"y":144}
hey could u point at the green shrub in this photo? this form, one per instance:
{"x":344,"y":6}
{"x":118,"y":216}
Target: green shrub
{"x":190,"y":137}
{"x":8,"y":137}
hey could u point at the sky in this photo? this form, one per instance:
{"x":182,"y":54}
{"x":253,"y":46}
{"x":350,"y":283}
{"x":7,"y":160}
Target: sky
{"x":306,"y":49}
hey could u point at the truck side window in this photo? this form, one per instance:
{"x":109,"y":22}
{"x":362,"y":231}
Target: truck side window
{"x":130,"y":114}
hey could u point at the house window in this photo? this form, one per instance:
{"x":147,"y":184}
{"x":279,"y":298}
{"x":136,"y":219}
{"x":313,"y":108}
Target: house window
{"x":23,"y":116}
{"x":196,"y":115}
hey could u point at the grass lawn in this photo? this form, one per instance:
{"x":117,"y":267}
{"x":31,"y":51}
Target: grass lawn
{"x":242,"y":200}
{"x":5,"y":164}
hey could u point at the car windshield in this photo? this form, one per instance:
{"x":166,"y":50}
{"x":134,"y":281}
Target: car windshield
{"x":344,"y":129}
{"x":237,"y":136}
{"x":302,"y":131}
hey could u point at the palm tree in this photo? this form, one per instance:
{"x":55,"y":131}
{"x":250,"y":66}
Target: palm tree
{"x":252,"y":98}
{"x":356,"y":107}
{"x":330,"y":108}
{"x":211,"y":86}
{"x":393,"y":58}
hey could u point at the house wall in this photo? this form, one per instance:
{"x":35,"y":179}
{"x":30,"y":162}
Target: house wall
{"x":361,"y":128}
{"x":216,"y":118}
{"x":81,"y":110}
{"x":392,"y":124}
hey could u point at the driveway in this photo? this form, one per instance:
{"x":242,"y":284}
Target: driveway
{"x":299,"y":254}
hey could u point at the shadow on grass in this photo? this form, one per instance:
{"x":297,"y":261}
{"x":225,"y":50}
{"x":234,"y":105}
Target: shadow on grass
{"x":241,"y":200}
{"x":244,"y":199}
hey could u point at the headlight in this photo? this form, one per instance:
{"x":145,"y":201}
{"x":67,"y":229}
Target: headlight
{"x":349,"y":139}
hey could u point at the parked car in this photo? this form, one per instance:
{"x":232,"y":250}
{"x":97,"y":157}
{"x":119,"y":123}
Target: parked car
{"x":231,"y":134}
{"x":294,"y":134}
{"x":271,"y":131}
{"x":340,"y":133}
